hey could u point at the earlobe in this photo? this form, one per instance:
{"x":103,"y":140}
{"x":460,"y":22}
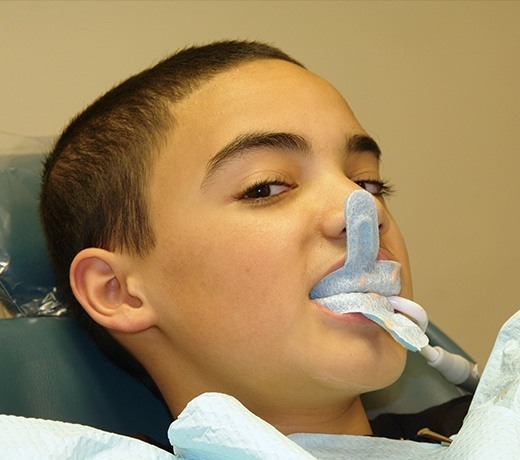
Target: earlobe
{"x":100,"y":283}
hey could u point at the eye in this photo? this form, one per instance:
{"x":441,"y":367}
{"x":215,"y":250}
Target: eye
{"x":376,"y":187}
{"x":264,"y":190}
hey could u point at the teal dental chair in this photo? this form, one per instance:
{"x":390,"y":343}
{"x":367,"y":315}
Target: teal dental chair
{"x":50,"y":368}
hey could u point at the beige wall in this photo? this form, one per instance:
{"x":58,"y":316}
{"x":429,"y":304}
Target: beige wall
{"x":436,"y":83}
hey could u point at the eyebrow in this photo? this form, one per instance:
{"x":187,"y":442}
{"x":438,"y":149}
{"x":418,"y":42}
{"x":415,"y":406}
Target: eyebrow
{"x":361,"y":143}
{"x":247,"y":143}
{"x":290,"y":142}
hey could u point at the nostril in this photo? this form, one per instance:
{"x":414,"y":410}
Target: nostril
{"x":382,"y":227}
{"x":332,"y":223}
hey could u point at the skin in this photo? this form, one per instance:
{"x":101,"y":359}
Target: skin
{"x":222,"y":301}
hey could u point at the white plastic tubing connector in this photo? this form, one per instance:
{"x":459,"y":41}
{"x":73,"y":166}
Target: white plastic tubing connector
{"x":454,"y":368}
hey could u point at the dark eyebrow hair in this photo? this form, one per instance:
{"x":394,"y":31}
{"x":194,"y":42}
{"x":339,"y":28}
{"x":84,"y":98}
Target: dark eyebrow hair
{"x":246,"y":143}
{"x":359,"y":143}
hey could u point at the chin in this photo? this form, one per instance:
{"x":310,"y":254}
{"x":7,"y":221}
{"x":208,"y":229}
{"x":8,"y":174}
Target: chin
{"x":394,"y":365}
{"x":387,"y":364}
{"x":376,"y":369}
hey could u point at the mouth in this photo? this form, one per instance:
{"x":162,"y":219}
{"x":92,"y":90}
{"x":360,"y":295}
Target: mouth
{"x":348,"y":318}
{"x":336,"y":266}
{"x":371,"y":310}
{"x":385,"y":254}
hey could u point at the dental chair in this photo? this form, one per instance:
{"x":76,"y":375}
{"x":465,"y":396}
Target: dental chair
{"x":50,"y":368}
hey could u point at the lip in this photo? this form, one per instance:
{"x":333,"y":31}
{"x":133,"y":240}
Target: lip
{"x":353,"y":319}
{"x":336,"y":266}
{"x":385,"y":254}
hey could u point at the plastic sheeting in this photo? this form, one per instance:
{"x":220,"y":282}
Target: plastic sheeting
{"x":26,"y":277}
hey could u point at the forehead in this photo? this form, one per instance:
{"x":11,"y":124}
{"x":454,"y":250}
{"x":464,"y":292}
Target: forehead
{"x":260,"y":96}
{"x":270,"y":87}
{"x":266,"y":95}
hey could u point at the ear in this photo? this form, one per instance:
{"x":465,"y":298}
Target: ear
{"x":101,"y":283}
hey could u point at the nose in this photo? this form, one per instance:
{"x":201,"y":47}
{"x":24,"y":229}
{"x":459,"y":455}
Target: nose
{"x":333,"y":223}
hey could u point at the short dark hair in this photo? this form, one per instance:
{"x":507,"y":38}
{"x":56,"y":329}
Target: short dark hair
{"x":95,"y":180}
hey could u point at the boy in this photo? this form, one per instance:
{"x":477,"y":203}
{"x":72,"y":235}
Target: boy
{"x":190,"y":211}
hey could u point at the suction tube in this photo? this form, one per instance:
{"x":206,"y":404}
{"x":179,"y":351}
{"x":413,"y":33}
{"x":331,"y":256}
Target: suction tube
{"x":454,"y":368}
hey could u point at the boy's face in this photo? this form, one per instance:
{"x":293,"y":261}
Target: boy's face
{"x":247,"y":205}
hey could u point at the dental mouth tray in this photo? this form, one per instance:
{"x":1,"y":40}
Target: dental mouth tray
{"x":364,"y":283}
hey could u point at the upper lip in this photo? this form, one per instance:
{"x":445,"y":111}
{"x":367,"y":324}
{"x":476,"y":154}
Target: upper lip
{"x":385,"y":254}
{"x":337,"y":265}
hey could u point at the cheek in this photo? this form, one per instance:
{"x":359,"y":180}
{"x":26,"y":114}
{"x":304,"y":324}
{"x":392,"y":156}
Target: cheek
{"x":241,"y":281}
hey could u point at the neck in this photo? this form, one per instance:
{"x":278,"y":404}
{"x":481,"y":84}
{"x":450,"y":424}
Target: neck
{"x":350,"y":419}
{"x":338,"y":415}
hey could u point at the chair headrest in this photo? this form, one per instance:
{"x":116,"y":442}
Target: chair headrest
{"x":26,"y":275}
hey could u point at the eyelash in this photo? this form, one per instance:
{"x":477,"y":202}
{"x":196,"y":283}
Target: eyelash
{"x":256,"y":186}
{"x":385,"y":188}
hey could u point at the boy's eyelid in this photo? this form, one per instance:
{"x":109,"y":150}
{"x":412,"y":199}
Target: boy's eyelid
{"x":268,"y":181}
{"x":248,"y":145}
{"x":385,"y":188}
{"x":362,"y":166}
